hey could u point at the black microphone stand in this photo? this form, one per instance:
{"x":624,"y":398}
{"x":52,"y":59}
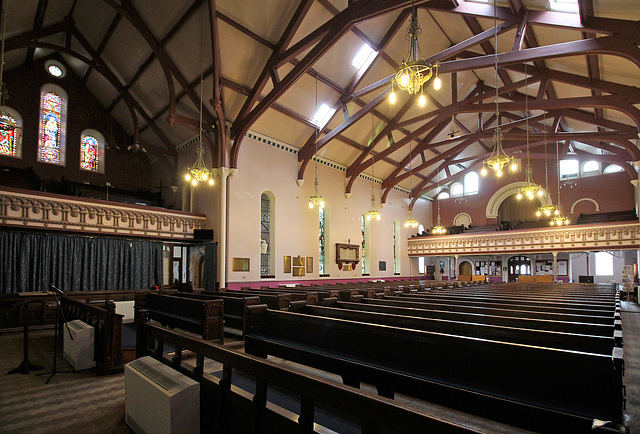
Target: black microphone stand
{"x":26,"y":366}
{"x":59,"y":311}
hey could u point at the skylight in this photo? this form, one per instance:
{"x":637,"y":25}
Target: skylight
{"x":564,"y":5}
{"x":322,"y":116}
{"x":364,"y":57}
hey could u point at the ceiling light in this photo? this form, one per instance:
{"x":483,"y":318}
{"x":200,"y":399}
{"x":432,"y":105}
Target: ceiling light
{"x":316,"y":198}
{"x":55,"y":68}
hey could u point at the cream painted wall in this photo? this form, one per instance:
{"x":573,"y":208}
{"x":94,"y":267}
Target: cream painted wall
{"x":265,"y":167}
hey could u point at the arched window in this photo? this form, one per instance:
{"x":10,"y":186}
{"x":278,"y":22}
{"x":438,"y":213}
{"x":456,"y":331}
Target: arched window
{"x":396,"y":248}
{"x":267,"y":248}
{"x":364,"y":238}
{"x":456,"y":189}
{"x":612,"y":168}
{"x":569,"y":169}
{"x":92,"y":151}
{"x":11,"y":138}
{"x":471,"y":183}
{"x":443,"y":195}
{"x":321,"y":242}
{"x":53,"y":122}
{"x":590,"y":168}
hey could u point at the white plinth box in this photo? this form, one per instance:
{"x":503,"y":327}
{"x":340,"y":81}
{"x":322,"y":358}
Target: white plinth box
{"x":159,"y":399}
{"x":79,"y":351}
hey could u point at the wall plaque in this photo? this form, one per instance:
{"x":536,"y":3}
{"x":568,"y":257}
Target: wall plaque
{"x":240,"y":264}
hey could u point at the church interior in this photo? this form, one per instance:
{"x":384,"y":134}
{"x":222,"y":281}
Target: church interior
{"x":344,"y":216}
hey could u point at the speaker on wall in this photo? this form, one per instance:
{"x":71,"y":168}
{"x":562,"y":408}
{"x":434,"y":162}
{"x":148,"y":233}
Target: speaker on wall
{"x":203,"y":234}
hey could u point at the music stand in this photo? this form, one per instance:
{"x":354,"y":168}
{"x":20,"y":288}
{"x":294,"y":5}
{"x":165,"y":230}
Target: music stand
{"x":59,"y":311}
{"x":26,"y":366}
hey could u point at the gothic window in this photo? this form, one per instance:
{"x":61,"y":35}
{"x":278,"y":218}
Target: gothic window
{"x":10,"y":137}
{"x":396,"y":236}
{"x":363,"y":240}
{"x":92,"y":151}
{"x":265,"y":234}
{"x":321,"y":242}
{"x":51,"y":144}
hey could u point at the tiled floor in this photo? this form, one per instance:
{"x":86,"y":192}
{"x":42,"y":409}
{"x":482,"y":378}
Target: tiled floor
{"x":81,"y":402}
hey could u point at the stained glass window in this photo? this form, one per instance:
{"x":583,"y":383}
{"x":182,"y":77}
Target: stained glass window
{"x":395,"y":248}
{"x":363,"y":238}
{"x":49,"y":149}
{"x":321,"y":256}
{"x":265,"y":234}
{"x":89,"y":153}
{"x":9,"y":137}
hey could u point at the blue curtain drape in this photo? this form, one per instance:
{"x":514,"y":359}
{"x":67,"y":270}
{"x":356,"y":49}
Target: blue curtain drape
{"x":32,"y":260}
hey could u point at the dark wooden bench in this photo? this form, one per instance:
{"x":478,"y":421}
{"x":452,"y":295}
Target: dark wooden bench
{"x":531,"y":387}
{"x":234,"y":307}
{"x":543,"y":338}
{"x":278,"y":301}
{"x":230,"y":409}
{"x":605,"y":330}
{"x":204,"y":317}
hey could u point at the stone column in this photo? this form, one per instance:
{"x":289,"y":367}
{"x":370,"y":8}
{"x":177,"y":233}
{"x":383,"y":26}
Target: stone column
{"x":533,"y":267}
{"x":224,"y":173}
{"x":455,"y":265}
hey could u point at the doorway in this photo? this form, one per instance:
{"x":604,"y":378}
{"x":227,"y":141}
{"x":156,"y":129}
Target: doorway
{"x":518,"y":265}
{"x":465,"y":269}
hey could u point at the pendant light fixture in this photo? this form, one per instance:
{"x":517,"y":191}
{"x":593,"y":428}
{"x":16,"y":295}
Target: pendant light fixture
{"x":411,"y":222}
{"x":373,"y":213}
{"x":316,"y":198}
{"x":414,"y":72}
{"x":438,"y":229}
{"x":499,"y":158}
{"x":558,"y":218}
{"x":7,"y":122}
{"x":547,"y":210}
{"x":530,"y":188}
{"x":199,"y":172}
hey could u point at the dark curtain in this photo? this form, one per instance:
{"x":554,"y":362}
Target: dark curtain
{"x":210,"y":268}
{"x":31,"y":260}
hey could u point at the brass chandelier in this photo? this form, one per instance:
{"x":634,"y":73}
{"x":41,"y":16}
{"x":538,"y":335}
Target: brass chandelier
{"x":438,"y":229}
{"x":529,"y":188}
{"x":558,"y":219}
{"x":316,"y":198}
{"x":199,"y":172}
{"x":414,"y":72}
{"x":411,"y":222}
{"x":547,"y":210}
{"x":499,"y":158}
{"x":373,"y":213}
{"x":7,"y":123}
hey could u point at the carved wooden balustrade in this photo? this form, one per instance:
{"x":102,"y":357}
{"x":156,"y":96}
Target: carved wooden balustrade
{"x":613,"y":236}
{"x":29,"y":209}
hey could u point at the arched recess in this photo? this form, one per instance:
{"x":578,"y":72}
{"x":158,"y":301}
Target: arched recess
{"x":462,"y":219}
{"x":197,"y":263}
{"x":465,"y":268}
{"x":509,"y":190}
{"x":587,"y":199}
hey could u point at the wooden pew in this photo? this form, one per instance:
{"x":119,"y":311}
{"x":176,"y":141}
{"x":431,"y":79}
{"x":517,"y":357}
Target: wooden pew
{"x":278,"y":301}
{"x":543,"y":338}
{"x":230,"y":409}
{"x":497,"y":320}
{"x":205,"y":317}
{"x":593,"y":319}
{"x":234,"y":308}
{"x":107,"y":326}
{"x":531,"y":387}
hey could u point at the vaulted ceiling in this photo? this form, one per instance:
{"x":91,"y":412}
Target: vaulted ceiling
{"x":268,"y":65}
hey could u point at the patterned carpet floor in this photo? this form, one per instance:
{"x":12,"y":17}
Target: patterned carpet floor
{"x":82,"y":402}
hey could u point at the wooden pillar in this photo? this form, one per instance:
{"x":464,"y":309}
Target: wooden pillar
{"x":455,"y":265}
{"x":555,"y":266}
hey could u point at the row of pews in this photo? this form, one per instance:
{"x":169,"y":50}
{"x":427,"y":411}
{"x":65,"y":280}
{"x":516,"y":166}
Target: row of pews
{"x":540,"y":357}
